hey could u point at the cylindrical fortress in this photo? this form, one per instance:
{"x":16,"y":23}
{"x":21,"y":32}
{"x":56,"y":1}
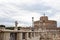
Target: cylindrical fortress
{"x":45,"y":22}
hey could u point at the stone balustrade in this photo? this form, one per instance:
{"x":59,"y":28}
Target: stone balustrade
{"x":18,"y":35}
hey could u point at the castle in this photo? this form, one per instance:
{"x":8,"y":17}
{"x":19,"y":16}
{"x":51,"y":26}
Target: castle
{"x":43,"y":29}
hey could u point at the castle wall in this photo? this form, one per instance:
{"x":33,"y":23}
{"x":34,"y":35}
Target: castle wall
{"x":44,"y":22}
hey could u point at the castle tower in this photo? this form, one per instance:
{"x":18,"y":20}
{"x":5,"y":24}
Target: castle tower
{"x":44,"y":18}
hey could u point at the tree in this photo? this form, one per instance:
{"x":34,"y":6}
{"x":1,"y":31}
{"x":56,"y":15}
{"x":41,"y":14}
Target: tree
{"x":2,"y":25}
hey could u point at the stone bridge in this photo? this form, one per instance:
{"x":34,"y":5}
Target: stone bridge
{"x":19,"y":35}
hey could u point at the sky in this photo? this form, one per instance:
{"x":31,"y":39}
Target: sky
{"x":23,"y":11}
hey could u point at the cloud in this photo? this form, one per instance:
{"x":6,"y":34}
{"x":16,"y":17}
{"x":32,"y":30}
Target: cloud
{"x":24,"y":10}
{"x":52,"y":3}
{"x":10,"y":13}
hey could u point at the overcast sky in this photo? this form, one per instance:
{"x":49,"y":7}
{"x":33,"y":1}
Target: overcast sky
{"x":24,"y":10}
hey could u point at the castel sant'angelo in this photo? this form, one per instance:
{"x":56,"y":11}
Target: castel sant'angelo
{"x":43,"y":29}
